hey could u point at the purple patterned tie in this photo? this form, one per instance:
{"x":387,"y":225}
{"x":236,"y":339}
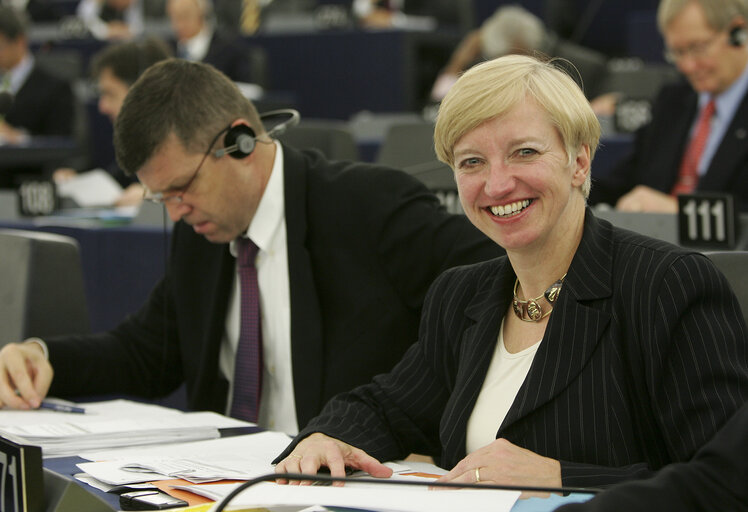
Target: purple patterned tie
{"x":248,"y":365}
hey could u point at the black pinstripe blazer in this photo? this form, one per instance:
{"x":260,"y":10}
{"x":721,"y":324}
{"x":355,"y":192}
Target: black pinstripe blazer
{"x":715,"y":479}
{"x":643,"y":359}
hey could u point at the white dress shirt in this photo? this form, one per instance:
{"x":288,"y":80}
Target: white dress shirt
{"x":268,"y":232}
{"x":17,"y":76}
{"x":196,"y":47}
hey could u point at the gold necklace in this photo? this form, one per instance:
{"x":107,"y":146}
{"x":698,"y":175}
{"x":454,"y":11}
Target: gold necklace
{"x":530,"y":310}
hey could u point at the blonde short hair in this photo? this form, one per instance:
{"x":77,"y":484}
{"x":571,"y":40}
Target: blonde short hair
{"x":490,"y":89}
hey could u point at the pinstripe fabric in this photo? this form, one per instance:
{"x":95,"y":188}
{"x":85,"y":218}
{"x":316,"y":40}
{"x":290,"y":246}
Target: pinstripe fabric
{"x":643,"y":359}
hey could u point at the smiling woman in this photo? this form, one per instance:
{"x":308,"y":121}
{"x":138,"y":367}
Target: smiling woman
{"x":561,"y":363}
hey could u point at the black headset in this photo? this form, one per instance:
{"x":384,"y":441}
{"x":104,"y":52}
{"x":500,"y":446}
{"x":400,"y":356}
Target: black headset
{"x":738,"y":35}
{"x":240,"y":140}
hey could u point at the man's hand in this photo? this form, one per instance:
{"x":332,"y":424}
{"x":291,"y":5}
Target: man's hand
{"x":644,"y":199}
{"x":319,"y":450}
{"x":25,"y":375}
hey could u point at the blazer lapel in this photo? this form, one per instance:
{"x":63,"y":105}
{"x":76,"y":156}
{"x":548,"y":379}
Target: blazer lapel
{"x":477,"y":345}
{"x":574,"y":329}
{"x":306,"y":328}
{"x":217,"y":267}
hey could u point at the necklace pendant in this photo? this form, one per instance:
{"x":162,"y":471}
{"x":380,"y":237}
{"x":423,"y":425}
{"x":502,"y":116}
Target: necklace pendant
{"x":534,"y":311}
{"x":551,"y":294}
{"x":517,"y":308}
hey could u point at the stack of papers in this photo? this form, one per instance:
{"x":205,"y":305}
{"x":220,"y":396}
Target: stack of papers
{"x":230,"y":458}
{"x":109,"y":425}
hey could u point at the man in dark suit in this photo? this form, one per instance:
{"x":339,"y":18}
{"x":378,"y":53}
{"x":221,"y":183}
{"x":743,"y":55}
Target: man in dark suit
{"x":42,"y":103}
{"x":707,"y":42}
{"x":198,"y":40}
{"x":346,"y":254}
{"x":715,"y":479}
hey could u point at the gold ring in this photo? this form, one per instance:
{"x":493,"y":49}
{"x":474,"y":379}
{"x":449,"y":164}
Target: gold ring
{"x":296,"y":456}
{"x":477,"y":475}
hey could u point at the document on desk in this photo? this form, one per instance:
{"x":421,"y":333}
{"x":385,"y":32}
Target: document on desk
{"x":236,"y":457}
{"x":363,"y":496}
{"x":91,"y":188}
{"x":61,"y":434}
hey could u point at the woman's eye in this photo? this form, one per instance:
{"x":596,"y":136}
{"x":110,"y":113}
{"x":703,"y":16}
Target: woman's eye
{"x":468,"y":163}
{"x":526,"y":152}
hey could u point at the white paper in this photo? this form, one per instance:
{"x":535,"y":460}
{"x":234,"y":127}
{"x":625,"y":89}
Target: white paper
{"x":91,"y":188}
{"x":261,"y":446}
{"x":392,"y":498}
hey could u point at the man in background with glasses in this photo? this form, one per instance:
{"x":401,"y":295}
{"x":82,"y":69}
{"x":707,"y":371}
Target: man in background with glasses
{"x":346,"y":254}
{"x":697,"y":139}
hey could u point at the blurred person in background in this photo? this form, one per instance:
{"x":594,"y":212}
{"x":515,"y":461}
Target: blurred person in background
{"x":514,"y":29}
{"x":696,"y":139}
{"x":39,"y":102}
{"x":115,"y":69}
{"x":112,"y":19}
{"x":198,"y":40}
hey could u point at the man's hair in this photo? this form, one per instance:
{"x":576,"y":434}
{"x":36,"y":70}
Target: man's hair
{"x":491,"y":89}
{"x":128,"y":60}
{"x":13,"y":23}
{"x":719,"y":14}
{"x":192,"y":100}
{"x":511,"y":29}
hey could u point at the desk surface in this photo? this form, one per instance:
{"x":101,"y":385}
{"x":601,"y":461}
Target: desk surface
{"x":37,"y":151}
{"x":66,"y":466}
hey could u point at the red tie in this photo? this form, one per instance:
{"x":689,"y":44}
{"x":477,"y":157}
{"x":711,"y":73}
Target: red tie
{"x":688,"y":176}
{"x":248,"y":364}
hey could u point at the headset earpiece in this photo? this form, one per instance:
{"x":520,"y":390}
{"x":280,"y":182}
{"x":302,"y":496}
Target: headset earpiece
{"x":239,"y":142}
{"x":738,"y":35}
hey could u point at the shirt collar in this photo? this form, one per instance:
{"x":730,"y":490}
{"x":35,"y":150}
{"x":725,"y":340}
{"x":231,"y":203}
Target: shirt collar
{"x":198,"y":45}
{"x":271,"y":210}
{"x":727,"y":102}
{"x":20,"y":73}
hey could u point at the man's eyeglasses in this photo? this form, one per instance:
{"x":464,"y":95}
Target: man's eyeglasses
{"x":695,"y":50}
{"x":175,"y":194}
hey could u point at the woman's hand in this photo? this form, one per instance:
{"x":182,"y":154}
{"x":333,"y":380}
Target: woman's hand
{"x":319,"y":450}
{"x":504,"y":463}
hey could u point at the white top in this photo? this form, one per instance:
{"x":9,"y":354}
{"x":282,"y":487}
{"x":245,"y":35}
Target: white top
{"x":268,"y":232}
{"x":506,"y":373}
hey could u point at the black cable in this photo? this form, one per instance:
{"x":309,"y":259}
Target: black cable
{"x":454,"y":485}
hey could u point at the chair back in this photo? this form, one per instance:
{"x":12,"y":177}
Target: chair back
{"x":41,"y":286}
{"x":330,"y":137}
{"x":408,"y":144}
{"x":734,"y":265}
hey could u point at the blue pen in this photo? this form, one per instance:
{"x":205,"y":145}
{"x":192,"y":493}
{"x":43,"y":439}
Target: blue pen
{"x":61,"y":407}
